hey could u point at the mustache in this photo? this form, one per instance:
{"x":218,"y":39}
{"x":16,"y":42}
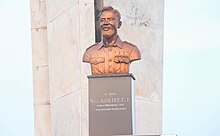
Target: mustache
{"x":106,"y":26}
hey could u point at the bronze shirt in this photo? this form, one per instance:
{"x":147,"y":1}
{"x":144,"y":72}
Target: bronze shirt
{"x":111,"y":60}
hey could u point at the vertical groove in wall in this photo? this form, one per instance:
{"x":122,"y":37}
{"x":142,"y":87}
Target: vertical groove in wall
{"x":98,"y":4}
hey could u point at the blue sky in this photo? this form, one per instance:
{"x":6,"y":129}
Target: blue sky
{"x":16,"y":96}
{"x":191,"y":68}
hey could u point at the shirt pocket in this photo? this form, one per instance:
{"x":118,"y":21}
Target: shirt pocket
{"x":117,"y":64}
{"x":98,"y":65}
{"x":121,"y":64}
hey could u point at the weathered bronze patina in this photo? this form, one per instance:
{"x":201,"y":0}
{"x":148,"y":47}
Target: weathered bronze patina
{"x":111,"y":55}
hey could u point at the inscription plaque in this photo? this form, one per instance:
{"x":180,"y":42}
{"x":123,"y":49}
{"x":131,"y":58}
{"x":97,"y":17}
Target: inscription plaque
{"x":111,"y":105}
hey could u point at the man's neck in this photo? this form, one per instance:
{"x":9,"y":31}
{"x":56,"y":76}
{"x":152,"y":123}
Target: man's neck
{"x":111,"y":40}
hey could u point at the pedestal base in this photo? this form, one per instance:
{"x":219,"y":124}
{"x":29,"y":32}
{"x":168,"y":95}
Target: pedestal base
{"x":111,"y":105}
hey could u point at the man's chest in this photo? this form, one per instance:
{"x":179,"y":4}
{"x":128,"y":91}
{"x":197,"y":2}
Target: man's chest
{"x":110,"y":60}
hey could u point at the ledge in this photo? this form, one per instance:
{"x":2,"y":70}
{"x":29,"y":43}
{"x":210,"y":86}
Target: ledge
{"x":111,"y":75}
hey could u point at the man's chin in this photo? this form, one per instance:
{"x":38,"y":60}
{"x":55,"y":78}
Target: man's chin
{"x":106,"y":35}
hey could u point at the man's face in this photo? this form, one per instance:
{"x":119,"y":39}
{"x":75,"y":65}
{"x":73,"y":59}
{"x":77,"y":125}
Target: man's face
{"x":109,"y":23}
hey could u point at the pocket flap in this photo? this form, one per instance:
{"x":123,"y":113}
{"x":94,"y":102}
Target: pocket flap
{"x":97,"y":60}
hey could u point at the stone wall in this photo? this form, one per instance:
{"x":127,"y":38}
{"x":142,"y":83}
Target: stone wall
{"x":70,"y":30}
{"x":42,"y":120}
{"x":61,"y":31}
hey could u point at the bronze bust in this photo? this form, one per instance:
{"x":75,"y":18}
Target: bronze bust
{"x":111,"y":55}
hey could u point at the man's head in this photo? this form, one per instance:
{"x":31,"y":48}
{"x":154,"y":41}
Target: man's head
{"x":110,"y":21}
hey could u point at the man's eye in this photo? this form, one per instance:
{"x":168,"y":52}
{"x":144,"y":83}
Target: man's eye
{"x":107,"y":19}
{"x":111,"y":19}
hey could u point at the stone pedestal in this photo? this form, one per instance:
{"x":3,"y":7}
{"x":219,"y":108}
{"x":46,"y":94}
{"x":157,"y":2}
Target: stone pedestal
{"x":111,"y":105}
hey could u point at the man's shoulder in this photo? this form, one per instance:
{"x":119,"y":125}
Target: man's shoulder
{"x":92,"y":47}
{"x":89,"y":51}
{"x":129,"y":44}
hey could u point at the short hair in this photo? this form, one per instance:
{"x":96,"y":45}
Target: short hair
{"x":111,"y":9}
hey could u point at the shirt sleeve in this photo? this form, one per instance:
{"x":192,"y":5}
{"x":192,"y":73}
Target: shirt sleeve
{"x":86,"y":57}
{"x":135,"y":54}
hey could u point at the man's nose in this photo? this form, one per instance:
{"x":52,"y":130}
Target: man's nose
{"x":105,"y":22}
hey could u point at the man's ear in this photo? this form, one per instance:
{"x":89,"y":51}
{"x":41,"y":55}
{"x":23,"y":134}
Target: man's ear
{"x":119,"y":24}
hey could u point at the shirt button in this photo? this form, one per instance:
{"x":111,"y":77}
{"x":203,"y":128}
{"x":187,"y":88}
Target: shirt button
{"x":110,"y":60}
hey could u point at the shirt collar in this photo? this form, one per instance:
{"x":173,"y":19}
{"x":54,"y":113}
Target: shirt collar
{"x":118,"y":43}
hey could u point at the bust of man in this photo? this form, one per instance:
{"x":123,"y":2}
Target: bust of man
{"x":111,"y":55}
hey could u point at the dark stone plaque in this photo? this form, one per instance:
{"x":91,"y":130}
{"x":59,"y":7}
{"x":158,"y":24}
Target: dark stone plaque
{"x":111,"y":105}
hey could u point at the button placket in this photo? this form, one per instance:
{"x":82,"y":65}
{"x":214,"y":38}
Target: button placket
{"x":110,"y":60}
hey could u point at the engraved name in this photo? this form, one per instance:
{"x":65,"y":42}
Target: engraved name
{"x":110,"y":100}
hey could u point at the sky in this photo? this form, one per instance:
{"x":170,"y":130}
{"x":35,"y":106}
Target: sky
{"x":191,"y":89}
{"x":16,"y":95}
{"x":191,"y":83}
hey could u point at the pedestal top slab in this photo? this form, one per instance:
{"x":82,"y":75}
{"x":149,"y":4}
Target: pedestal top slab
{"x":111,"y":75}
